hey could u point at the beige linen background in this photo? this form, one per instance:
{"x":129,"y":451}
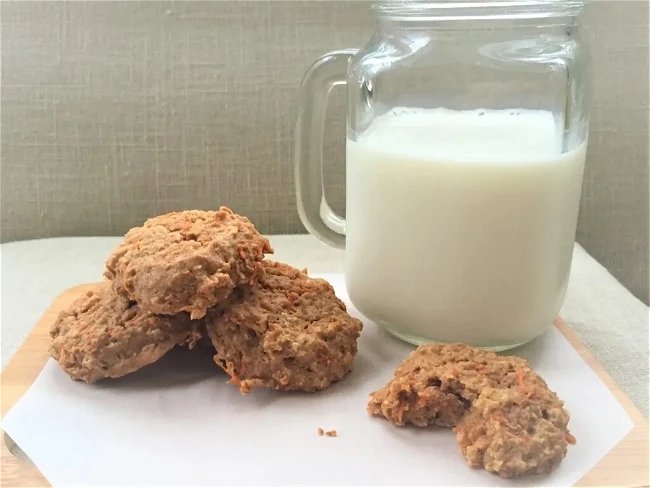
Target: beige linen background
{"x":116,"y":111}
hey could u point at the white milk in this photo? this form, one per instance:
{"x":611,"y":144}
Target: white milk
{"x":460,"y":225}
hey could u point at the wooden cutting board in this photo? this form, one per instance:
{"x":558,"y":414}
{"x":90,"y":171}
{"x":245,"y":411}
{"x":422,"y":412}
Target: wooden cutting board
{"x":627,"y":465}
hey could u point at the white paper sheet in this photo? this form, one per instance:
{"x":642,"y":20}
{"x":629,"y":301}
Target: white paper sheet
{"x":177,"y":422}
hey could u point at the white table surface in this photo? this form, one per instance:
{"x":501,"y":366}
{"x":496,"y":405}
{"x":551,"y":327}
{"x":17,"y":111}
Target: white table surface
{"x":611,"y":322}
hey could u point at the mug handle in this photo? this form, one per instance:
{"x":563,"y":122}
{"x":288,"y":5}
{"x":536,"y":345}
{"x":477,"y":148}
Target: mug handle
{"x":321,"y":221}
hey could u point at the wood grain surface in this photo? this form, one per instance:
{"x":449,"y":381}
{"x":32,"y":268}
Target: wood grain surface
{"x":627,"y":465}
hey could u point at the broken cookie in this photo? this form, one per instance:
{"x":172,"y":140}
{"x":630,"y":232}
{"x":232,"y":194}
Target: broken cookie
{"x":505,"y":417}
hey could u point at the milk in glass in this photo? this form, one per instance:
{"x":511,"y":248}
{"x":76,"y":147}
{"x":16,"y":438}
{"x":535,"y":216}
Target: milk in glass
{"x":461,"y":224}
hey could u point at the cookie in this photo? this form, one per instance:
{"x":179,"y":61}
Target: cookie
{"x":515,"y":431}
{"x":285,"y":331}
{"x":186,"y":261}
{"x":505,"y":417}
{"x":104,"y":335}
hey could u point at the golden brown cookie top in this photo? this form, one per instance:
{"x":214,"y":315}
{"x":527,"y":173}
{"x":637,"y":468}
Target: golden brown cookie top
{"x":284,"y":298}
{"x":458,"y":369}
{"x":187,"y":261}
{"x":103,"y":334}
{"x":473,"y":369}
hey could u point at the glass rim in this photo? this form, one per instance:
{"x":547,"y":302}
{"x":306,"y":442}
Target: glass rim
{"x":447,"y":10}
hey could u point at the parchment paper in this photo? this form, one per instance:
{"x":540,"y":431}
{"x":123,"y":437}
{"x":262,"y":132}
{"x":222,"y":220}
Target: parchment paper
{"x":177,"y":422}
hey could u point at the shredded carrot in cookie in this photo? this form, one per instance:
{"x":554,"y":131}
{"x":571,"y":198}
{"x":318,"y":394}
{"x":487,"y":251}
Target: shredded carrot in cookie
{"x":422,"y":400}
{"x":401,"y":408}
{"x":523,"y":386}
{"x":570,"y":439}
{"x":235,"y":379}
{"x":520,"y":377}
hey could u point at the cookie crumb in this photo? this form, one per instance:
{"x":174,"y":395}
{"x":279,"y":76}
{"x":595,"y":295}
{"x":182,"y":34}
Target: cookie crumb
{"x":331,"y":433}
{"x":320,"y":431}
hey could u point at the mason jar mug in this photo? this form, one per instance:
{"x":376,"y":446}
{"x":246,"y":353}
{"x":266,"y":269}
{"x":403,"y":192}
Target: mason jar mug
{"x":467,"y":127}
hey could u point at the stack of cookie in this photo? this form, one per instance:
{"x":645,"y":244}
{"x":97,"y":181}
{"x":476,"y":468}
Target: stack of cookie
{"x":190,"y":274}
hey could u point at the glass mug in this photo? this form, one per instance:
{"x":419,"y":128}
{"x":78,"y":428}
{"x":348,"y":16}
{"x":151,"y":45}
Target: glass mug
{"x":467,"y":127}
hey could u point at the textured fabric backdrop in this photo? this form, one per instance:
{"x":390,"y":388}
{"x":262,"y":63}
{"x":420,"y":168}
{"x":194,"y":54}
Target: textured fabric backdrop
{"x":116,"y":111}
